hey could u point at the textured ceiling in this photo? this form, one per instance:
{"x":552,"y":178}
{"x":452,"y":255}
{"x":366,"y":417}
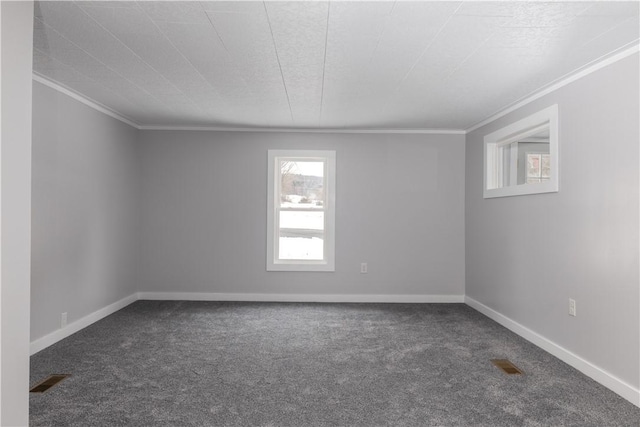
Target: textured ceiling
{"x":365,"y":65}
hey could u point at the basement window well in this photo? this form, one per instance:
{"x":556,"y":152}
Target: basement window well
{"x":522,"y":158}
{"x":301,"y":210}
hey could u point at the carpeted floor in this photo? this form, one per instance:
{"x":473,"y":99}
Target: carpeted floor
{"x":283,"y":364}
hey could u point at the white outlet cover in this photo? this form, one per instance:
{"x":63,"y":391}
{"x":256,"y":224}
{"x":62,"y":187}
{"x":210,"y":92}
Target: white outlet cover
{"x":572,"y":307}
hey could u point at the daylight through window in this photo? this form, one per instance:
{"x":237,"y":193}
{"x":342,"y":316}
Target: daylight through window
{"x":301,"y":208}
{"x":538,"y":167}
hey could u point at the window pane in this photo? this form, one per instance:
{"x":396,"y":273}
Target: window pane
{"x":291,"y":247}
{"x":302,"y":221}
{"x":301,"y":235}
{"x":302,"y":184}
{"x":546,"y":166}
{"x":533,"y":165}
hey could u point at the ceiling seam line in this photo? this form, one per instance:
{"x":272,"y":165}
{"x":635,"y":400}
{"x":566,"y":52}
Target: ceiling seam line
{"x":324,"y":62}
{"x":426,"y":49}
{"x":189,"y":62}
{"x":216,"y":31}
{"x":607,"y":31}
{"x":375,"y":49}
{"x":138,"y":56}
{"x":469,"y":56}
{"x":384,"y":30}
{"x":225,"y":46}
{"x":275,"y":48}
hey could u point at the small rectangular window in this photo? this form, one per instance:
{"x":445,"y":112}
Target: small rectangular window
{"x":301,"y":210}
{"x":523,"y":157}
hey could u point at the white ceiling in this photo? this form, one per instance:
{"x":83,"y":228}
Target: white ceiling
{"x":364,"y":65}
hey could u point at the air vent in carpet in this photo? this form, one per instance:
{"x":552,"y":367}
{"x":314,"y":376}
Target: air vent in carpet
{"x":507,"y":366}
{"x":49,"y":382}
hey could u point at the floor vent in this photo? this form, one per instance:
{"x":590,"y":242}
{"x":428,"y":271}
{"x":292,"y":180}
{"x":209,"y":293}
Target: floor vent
{"x":507,"y":366}
{"x":49,"y":382}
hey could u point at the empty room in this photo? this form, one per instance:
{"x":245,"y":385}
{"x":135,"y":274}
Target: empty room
{"x":301,"y":213}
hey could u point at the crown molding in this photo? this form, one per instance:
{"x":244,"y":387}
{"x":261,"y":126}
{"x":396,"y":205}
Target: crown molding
{"x":306,"y":130}
{"x":106,"y":110}
{"x":109,"y":112}
{"x":83,"y":99}
{"x":595,"y":65}
{"x":604,"y":61}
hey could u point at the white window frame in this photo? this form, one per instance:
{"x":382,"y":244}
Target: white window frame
{"x":273,"y":208}
{"x":496,"y":141}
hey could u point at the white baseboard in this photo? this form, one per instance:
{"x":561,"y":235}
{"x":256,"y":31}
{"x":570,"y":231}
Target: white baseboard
{"x":52,"y":338}
{"x":356,"y":298}
{"x":613,"y":383}
{"x":72,"y":328}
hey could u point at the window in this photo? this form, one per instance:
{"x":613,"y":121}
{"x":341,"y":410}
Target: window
{"x":301,"y":210}
{"x":538,"y":167}
{"x":522,"y":158}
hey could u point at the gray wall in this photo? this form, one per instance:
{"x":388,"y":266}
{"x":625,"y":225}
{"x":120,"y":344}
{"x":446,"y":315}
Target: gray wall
{"x":84,"y":210}
{"x":580,"y":243}
{"x":400,"y":207}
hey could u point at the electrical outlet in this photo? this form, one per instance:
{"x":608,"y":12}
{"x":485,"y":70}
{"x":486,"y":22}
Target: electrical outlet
{"x":363,"y":268}
{"x":63,"y":320}
{"x":572,"y":307}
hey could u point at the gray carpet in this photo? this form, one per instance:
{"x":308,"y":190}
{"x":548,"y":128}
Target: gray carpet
{"x":278,"y":364}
